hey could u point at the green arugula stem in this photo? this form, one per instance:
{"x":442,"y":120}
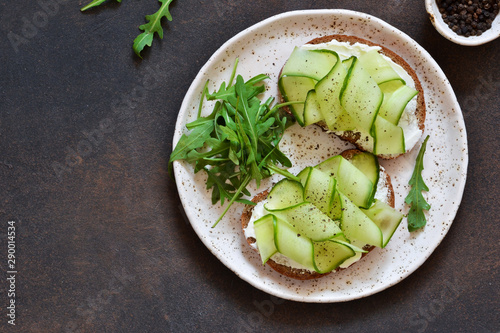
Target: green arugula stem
{"x":203,"y":94}
{"x":233,"y":199}
{"x":233,"y":72}
{"x":282,"y":172}
{"x":277,"y":107}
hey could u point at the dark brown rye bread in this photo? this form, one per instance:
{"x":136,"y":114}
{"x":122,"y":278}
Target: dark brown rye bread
{"x":302,"y":274}
{"x":355,"y":137}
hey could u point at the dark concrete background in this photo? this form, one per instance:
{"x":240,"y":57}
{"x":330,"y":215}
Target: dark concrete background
{"x":102,"y":241}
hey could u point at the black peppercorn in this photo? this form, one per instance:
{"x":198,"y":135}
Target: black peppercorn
{"x":468,"y":17}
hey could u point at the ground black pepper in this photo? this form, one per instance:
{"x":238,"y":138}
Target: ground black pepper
{"x":468,"y":17}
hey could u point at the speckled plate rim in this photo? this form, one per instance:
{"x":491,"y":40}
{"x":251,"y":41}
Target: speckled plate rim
{"x":444,"y":122}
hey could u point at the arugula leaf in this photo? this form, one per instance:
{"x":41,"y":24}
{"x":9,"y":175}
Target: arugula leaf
{"x":153,"y":25}
{"x":416,"y":217}
{"x":237,"y":142}
{"x":94,"y":3}
{"x":150,"y":28}
{"x":217,"y":148}
{"x":195,"y":140}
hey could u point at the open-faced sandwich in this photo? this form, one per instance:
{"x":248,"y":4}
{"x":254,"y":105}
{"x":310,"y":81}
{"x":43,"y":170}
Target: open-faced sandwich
{"x":328,"y":219}
{"x":361,"y":91}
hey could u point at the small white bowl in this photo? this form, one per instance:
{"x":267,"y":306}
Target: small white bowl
{"x":443,"y":29}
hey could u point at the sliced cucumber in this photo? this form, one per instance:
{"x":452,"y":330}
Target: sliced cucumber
{"x":368,"y":164}
{"x":361,"y":97}
{"x":264,"y":234}
{"x":329,"y":255}
{"x":350,"y":245}
{"x":319,"y":190}
{"x":312,"y":112}
{"x":350,"y":180}
{"x":309,"y":221}
{"x":328,"y":96}
{"x":380,"y":70}
{"x":294,"y":89}
{"x":395,"y":101}
{"x":354,"y":184}
{"x":303,"y":175}
{"x":357,"y":226}
{"x":348,"y":62}
{"x":386,"y":218}
{"x":347,"y":95}
{"x":284,"y":194}
{"x":389,"y":138}
{"x":295,"y":246}
{"x":330,"y":166}
{"x":336,"y":209}
{"x":339,"y":238}
{"x":314,"y":64}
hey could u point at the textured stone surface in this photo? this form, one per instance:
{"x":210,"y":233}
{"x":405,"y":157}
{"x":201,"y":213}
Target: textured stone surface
{"x":102,"y":242}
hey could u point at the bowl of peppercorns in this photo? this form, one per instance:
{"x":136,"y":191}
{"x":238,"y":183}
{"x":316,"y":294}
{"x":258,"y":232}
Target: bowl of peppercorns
{"x":465,"y":22}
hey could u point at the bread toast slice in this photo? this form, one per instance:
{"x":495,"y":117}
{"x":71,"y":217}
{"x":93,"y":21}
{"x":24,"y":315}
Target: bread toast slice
{"x":420,"y":111}
{"x":303,"y":274}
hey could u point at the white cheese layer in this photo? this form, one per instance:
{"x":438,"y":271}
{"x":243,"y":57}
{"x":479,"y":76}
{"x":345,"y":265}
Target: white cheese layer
{"x":408,"y":121}
{"x":259,"y":211}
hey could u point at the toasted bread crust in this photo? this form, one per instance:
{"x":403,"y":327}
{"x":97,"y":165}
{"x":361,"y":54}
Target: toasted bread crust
{"x":420,"y":112}
{"x":302,"y":274}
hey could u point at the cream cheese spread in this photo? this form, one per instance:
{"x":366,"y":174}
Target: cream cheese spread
{"x":408,"y":121}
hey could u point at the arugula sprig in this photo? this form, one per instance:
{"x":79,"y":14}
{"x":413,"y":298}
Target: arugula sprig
{"x":416,"y":218}
{"x":153,"y":25}
{"x":150,"y":28}
{"x":237,"y":142}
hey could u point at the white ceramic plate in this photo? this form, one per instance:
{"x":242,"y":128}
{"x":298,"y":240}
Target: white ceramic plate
{"x":264,"y":48}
